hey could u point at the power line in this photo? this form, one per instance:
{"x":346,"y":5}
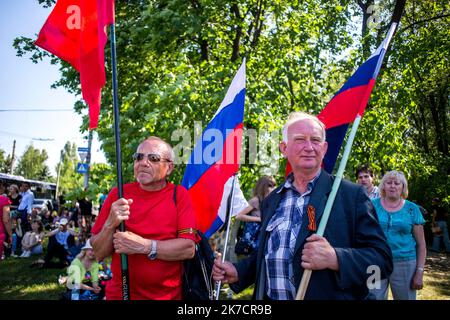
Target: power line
{"x":35,"y":110}
{"x":59,"y":138}
{"x":25,"y":137}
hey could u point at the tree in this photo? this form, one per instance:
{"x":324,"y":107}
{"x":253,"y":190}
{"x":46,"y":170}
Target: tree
{"x":31,"y":164}
{"x":69,"y":179}
{"x":176,"y":58}
{"x":406,"y":125}
{"x":5,"y":162}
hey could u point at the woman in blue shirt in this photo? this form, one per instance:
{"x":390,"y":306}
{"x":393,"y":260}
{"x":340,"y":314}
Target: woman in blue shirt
{"x":402,"y":224}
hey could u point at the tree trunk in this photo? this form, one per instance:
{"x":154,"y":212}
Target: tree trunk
{"x":442,"y":116}
{"x":436,"y":123}
{"x":258,"y":24}
{"x":364,"y":29}
{"x":204,"y":49}
{"x":237,"y":38}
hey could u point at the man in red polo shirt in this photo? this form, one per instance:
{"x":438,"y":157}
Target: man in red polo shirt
{"x":160,"y":233}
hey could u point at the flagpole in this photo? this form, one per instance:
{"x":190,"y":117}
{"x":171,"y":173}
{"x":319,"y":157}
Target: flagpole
{"x":123,"y":257}
{"x":326,"y":214}
{"x":229,"y":214}
{"x":337,"y":181}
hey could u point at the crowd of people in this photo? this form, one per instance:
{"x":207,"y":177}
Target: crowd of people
{"x":369,"y":226}
{"x":57,"y":238}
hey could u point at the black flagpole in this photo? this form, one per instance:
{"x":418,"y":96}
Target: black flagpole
{"x":123,"y":257}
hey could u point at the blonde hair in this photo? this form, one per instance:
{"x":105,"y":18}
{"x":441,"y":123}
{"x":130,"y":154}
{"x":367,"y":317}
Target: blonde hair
{"x":298,"y":116}
{"x":81,"y":255}
{"x":397,"y":175}
{"x":15,"y":187}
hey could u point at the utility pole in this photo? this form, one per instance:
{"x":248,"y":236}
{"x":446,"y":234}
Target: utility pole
{"x":59,"y":173}
{"x":13,"y":156}
{"x":88,"y":161}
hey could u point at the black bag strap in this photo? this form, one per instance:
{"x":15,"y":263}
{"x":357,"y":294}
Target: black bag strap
{"x":175,"y":195}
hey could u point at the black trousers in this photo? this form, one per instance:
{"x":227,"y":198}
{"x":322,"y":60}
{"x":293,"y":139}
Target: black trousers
{"x":55,"y":250}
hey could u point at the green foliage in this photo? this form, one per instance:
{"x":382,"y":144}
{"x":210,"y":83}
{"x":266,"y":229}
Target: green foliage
{"x":177,"y":58}
{"x":71,"y":183}
{"x":31,"y":165}
{"x":69,"y":179}
{"x":101,"y":180}
{"x":5,"y":162}
{"x":406,"y":124}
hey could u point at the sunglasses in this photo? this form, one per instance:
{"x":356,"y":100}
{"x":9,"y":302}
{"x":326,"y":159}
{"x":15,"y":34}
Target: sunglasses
{"x":152,"y":157}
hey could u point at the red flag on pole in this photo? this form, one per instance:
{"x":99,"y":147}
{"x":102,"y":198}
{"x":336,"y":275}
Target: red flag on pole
{"x":75,"y":31}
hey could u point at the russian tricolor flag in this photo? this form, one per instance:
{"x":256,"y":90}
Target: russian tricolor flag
{"x":351,"y":101}
{"x":215,"y":158}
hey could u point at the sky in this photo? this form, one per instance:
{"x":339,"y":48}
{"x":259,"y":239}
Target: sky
{"x":25,"y":85}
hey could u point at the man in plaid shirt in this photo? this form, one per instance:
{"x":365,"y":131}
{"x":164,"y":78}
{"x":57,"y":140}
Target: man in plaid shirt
{"x":353,"y":244}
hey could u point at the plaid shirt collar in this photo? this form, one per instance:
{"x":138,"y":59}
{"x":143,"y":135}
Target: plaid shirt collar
{"x":289,"y":183}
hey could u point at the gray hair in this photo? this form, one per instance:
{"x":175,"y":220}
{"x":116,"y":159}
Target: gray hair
{"x":170,"y":153}
{"x":298,"y":116}
{"x":397,"y":175}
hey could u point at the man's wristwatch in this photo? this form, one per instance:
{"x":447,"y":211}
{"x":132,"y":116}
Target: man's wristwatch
{"x":153,"y":252}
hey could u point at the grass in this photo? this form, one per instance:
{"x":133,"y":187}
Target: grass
{"x":436,"y":278}
{"x":436,"y":281}
{"x":20,"y":282}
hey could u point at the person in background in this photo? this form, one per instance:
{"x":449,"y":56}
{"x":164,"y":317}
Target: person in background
{"x":74,"y":214}
{"x":26,"y":206}
{"x":14,"y":196}
{"x":102,"y":199}
{"x":3,"y":189}
{"x":16,"y":235}
{"x":47,"y":220}
{"x":251,"y":215}
{"x":85,"y":205}
{"x":83,"y":273}
{"x":5,"y":224}
{"x":439,"y":218}
{"x":364,"y":177}
{"x":59,"y":242}
{"x":402,"y":223}
{"x":32,"y":240}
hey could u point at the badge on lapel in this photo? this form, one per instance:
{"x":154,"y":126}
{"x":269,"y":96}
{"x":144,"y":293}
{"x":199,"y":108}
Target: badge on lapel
{"x":312,"y":218}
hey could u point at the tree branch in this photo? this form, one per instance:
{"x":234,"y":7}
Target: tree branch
{"x":423,"y":21}
{"x":204,"y":45}
{"x":362,"y":5}
{"x":259,"y":24}
{"x":291,"y":90}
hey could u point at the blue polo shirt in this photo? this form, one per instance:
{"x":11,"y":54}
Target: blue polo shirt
{"x":398,"y":228}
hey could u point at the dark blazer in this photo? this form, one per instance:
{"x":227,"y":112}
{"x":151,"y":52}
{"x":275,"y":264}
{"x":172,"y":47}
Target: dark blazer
{"x":354,"y":232}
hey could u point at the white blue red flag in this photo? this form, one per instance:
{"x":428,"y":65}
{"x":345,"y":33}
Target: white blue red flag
{"x":351,"y":101}
{"x":215,"y":158}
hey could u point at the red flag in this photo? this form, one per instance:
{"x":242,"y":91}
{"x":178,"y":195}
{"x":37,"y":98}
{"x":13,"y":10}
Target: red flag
{"x":75,"y":31}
